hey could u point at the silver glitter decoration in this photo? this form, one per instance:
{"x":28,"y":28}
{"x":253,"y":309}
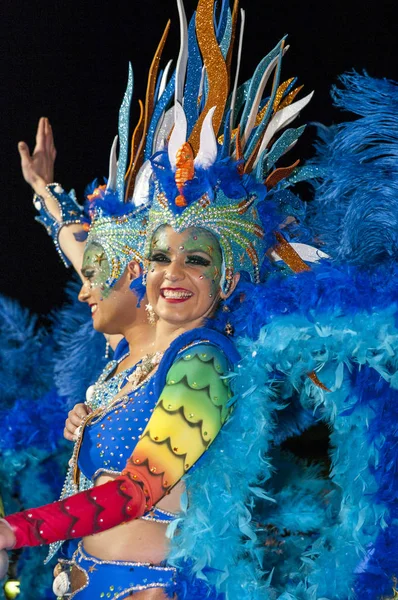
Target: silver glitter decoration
{"x":268,"y":113}
{"x":256,"y":80}
{"x":303,"y":174}
{"x":124,"y":122}
{"x":267,"y":161}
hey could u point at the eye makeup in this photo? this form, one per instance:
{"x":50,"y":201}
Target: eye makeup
{"x":96,"y":267}
{"x":195,"y":259}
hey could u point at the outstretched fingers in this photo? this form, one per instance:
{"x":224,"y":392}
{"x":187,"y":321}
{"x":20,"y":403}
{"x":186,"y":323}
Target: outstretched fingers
{"x":41,"y":135}
{"x":48,"y":137}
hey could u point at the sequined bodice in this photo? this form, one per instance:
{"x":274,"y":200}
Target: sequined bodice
{"x":110,"y":437}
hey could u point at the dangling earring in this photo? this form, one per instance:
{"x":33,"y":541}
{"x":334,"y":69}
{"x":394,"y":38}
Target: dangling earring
{"x":151,"y":315}
{"x":107,"y":347}
{"x":144,"y":274}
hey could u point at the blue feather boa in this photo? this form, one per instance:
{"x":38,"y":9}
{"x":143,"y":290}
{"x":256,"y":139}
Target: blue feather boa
{"x":33,"y":455}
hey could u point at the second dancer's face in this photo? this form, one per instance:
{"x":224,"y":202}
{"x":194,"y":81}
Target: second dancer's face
{"x":184,"y":275}
{"x":112,"y":309}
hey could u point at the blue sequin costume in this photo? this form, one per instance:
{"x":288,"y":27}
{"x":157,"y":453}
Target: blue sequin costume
{"x":105,"y":447}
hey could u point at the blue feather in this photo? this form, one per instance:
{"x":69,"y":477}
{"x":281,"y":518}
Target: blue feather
{"x":355,"y":209}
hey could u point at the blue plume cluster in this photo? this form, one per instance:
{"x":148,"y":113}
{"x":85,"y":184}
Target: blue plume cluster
{"x":107,"y":201}
{"x":381,"y":560}
{"x":33,"y":454}
{"x":329,"y":287}
{"x":77,"y":344}
{"x":222,"y":175}
{"x":355,"y":210}
{"x":322,"y":321}
{"x":24,"y":352}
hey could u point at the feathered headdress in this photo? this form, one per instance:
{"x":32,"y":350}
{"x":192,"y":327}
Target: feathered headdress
{"x":210,"y":160}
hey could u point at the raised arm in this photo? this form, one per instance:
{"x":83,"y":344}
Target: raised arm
{"x":189,"y":414}
{"x":59,"y":213}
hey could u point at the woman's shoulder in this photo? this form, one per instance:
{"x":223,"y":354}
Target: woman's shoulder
{"x":198,"y":351}
{"x":205,"y":342}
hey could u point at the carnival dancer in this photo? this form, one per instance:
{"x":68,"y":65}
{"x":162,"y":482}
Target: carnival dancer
{"x":203,"y":229}
{"x":183,"y":383}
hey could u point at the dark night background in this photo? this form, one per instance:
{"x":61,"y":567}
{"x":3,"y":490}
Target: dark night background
{"x":68,"y":61}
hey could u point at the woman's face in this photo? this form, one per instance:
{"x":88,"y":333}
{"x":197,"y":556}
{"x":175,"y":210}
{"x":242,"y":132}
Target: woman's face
{"x":184,"y":275}
{"x":112,"y":309}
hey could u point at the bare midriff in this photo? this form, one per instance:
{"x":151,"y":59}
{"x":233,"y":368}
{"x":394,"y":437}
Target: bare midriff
{"x":136,"y":541}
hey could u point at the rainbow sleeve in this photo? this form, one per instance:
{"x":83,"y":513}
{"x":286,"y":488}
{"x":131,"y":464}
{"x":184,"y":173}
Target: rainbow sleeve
{"x":190,"y":412}
{"x":192,"y":408}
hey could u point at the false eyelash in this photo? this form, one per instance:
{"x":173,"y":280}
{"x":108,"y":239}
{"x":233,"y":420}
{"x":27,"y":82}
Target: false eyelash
{"x":198,"y":260}
{"x":88,"y":274}
{"x":159,"y":258}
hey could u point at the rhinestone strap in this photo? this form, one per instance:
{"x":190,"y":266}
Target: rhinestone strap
{"x":70,"y":211}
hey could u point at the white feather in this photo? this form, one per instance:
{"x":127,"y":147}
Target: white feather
{"x":179,"y":134}
{"x":163,"y":82}
{"x":306,"y":252}
{"x":254,"y":110}
{"x":111,"y":185}
{"x":207,"y":153}
{"x":202,"y":82}
{"x":183,"y":55}
{"x":282,"y":118}
{"x":240,"y":47}
{"x":141,"y":187}
{"x":162,"y":132}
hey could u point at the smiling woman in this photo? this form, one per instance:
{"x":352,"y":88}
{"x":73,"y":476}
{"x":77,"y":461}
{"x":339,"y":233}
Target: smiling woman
{"x":196,"y":183}
{"x":185,"y":270}
{"x":112,"y":308}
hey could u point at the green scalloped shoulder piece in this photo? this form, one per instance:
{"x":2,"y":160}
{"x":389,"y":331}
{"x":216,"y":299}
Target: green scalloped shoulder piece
{"x":192,"y":408}
{"x":201,"y":366}
{"x":196,"y":388}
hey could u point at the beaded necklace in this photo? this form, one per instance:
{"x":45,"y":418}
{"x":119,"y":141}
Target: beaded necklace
{"x":106,"y":387}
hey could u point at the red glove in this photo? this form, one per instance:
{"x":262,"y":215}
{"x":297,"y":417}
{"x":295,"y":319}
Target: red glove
{"x":83,"y":514}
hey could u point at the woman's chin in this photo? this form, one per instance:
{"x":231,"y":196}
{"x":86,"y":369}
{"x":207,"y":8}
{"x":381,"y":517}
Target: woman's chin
{"x":99,"y":325}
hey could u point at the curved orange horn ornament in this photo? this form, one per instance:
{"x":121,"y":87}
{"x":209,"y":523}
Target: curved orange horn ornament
{"x":185,"y":171}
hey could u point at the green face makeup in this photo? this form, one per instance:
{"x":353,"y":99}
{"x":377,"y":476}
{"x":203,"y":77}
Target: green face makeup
{"x":200,"y":247}
{"x":96,"y":267}
{"x":202,"y":241}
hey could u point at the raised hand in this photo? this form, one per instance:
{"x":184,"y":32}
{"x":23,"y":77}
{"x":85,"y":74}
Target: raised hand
{"x":38,"y":167}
